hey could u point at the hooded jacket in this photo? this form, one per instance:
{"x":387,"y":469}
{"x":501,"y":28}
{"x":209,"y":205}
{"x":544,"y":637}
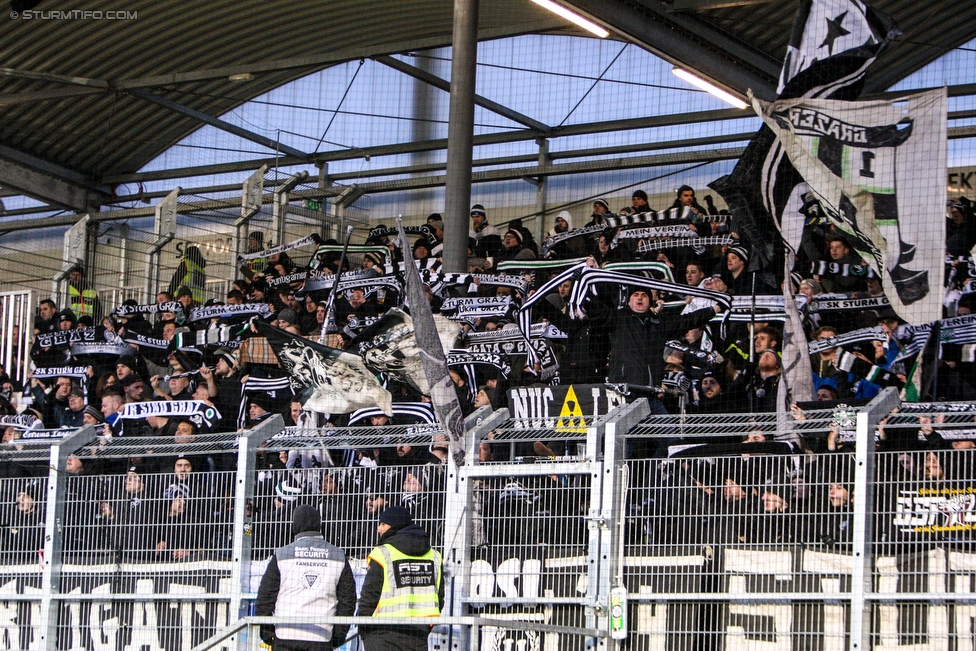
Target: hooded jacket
{"x":572,"y":248}
{"x":413,"y":541}
{"x":310,"y":577}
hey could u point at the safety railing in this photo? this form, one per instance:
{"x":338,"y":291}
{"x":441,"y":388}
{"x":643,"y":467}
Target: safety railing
{"x":748,"y":531}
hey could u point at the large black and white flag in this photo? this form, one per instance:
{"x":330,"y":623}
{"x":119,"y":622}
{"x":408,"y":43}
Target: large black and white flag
{"x":329,"y":381}
{"x":431,"y":350}
{"x":390,"y":346}
{"x":832,"y":45}
{"x":878,"y":170}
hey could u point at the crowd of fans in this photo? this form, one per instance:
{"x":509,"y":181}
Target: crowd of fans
{"x":662,"y":344}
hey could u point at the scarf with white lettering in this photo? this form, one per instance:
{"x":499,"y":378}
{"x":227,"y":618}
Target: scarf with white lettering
{"x":314,"y":238}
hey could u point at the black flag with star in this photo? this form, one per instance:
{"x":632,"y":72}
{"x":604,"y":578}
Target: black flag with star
{"x":831,"y":47}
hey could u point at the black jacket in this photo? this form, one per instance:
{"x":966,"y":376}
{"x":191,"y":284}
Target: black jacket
{"x":345,"y":595}
{"x":637,"y":343}
{"x":411,"y":540}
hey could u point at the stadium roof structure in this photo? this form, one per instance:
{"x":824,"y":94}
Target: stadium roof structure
{"x":87,"y":100}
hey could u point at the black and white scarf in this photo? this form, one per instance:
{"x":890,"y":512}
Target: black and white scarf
{"x":64,"y":337}
{"x":269,"y":385}
{"x":314,"y":238}
{"x":478,"y":306}
{"x":697,"y":244}
{"x":143,"y":341}
{"x":617,"y":221}
{"x":824,"y":302}
{"x":461,"y":357}
{"x":586,"y":277}
{"x":703,"y":357}
{"x":116,"y":347}
{"x":826,"y":268}
{"x":517,"y":283}
{"x":424,"y":230}
{"x":59,"y":371}
{"x":197,"y":411}
{"x":222,"y":336}
{"x":846,"y":339}
{"x":957,"y":330}
{"x":676,"y":230}
{"x":23,"y":422}
{"x":174,"y":307}
{"x":297,"y":277}
{"x":222,"y":311}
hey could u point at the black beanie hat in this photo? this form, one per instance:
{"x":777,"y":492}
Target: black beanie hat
{"x":306,"y":519}
{"x":397,"y":517}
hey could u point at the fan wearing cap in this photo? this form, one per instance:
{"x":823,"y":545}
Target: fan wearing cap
{"x":73,"y":415}
{"x":739,"y":281}
{"x":512,"y":247}
{"x":374,"y":260}
{"x":711,"y":398}
{"x":403,"y":579}
{"x":601,"y":211}
{"x":488,"y":241}
{"x":960,"y":227}
{"x":224,"y":387}
{"x":66,"y":320}
{"x":310,"y":577}
{"x":287,"y":317}
{"x":638,"y":202}
{"x":259,"y":407}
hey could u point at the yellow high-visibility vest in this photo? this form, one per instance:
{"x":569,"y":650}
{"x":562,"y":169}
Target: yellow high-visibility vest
{"x":191,"y":280}
{"x":399,"y":598}
{"x":82,"y":302}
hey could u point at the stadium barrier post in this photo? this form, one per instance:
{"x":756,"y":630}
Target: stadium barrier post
{"x":248,"y":443}
{"x":864,"y":474}
{"x":54,"y":527}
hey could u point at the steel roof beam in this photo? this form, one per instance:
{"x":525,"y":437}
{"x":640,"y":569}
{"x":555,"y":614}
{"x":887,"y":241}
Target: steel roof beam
{"x":700,"y":5}
{"x":51,"y":190}
{"x":581,"y":167}
{"x":84,"y":86}
{"x":687,"y":42}
{"x":217,"y":123}
{"x":48,"y":182}
{"x":445,"y":85}
{"x":517,"y":135}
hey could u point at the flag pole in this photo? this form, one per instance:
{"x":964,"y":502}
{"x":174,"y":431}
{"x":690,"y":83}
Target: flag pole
{"x":443,"y":395}
{"x":752,"y":347}
{"x":329,"y":324}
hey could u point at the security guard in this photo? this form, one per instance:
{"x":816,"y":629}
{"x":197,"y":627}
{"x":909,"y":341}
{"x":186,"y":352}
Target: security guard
{"x":403,"y":579}
{"x":310,"y":578}
{"x":191,"y":274}
{"x":82,"y":299}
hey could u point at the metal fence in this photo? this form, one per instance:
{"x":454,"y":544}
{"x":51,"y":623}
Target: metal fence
{"x":735,"y":532}
{"x":16,"y":331}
